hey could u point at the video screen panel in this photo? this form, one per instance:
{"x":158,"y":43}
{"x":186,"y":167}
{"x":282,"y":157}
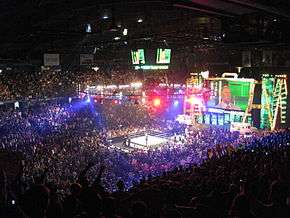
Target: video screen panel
{"x":240,"y":92}
{"x":163,"y":56}
{"x":230,"y":94}
{"x":138,"y":56}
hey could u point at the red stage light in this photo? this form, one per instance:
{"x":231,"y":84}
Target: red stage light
{"x":156,"y":102}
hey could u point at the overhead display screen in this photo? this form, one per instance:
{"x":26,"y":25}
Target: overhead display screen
{"x":138,"y":56}
{"x":163,"y":56}
{"x":231,"y":94}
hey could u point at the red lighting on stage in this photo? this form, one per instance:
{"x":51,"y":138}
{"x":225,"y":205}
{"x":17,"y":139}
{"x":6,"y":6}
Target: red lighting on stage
{"x":156,"y":102}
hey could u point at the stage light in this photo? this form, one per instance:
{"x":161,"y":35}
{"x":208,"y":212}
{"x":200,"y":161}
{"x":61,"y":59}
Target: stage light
{"x":119,"y":25}
{"x":156,"y":102}
{"x":239,"y":69}
{"x":140,"y":20}
{"x":194,"y":100}
{"x":165,"y":42}
{"x":95,"y":68}
{"x":176,"y":103}
{"x":16,"y":105}
{"x":125,"y":32}
{"x":136,"y":85}
{"x":120,"y":95}
{"x":106,"y":15}
{"x":88,"y":28}
{"x":204,"y":74}
{"x":112,"y":87}
{"x":124,"y":86}
{"x":117,"y":38}
{"x":88,"y":100}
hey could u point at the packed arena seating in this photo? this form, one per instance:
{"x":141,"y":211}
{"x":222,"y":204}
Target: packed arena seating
{"x":71,"y":170}
{"x":19,"y":85}
{"x":74,"y":143}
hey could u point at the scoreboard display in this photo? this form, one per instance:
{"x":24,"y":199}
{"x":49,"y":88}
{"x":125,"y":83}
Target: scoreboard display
{"x":163,"y":56}
{"x":138,"y":56}
{"x":150,"y":58}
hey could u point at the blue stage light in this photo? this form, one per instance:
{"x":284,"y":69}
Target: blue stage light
{"x":176,"y":103}
{"x":88,"y":100}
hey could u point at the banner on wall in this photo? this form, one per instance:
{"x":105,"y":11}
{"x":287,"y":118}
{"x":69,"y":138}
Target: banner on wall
{"x":246,"y":59}
{"x":86,"y":59}
{"x":51,"y":59}
{"x":267,"y":58}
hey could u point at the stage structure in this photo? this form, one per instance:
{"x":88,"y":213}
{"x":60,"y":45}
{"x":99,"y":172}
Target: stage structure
{"x":229,"y":99}
{"x":234,"y":96}
{"x":195,"y":97}
{"x":274,"y":101}
{"x":220,"y":100}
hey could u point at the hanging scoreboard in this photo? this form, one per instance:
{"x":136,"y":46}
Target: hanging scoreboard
{"x":163,"y":56}
{"x":138,"y":56}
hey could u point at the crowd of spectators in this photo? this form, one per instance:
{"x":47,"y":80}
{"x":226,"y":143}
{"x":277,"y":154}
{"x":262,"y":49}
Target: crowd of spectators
{"x":20,"y":85}
{"x":25,"y":85}
{"x":70,"y":169}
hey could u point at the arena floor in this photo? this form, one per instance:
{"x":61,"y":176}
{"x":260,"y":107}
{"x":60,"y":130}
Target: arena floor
{"x":153,"y":141}
{"x":139,"y":143}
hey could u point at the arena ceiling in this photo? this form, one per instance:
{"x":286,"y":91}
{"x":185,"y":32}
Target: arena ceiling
{"x":30,"y":28}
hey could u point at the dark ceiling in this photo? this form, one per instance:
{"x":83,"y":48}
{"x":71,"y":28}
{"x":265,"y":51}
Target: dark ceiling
{"x":30,"y":28}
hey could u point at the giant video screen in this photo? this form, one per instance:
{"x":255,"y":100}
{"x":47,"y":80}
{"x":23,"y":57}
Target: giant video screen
{"x":240,"y":92}
{"x":230,"y":94}
{"x":163,"y":56}
{"x":138,"y":56}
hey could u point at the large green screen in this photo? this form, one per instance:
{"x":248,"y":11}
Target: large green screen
{"x":163,"y":56}
{"x":228,"y":93}
{"x":138,"y":56}
{"x":240,"y":93}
